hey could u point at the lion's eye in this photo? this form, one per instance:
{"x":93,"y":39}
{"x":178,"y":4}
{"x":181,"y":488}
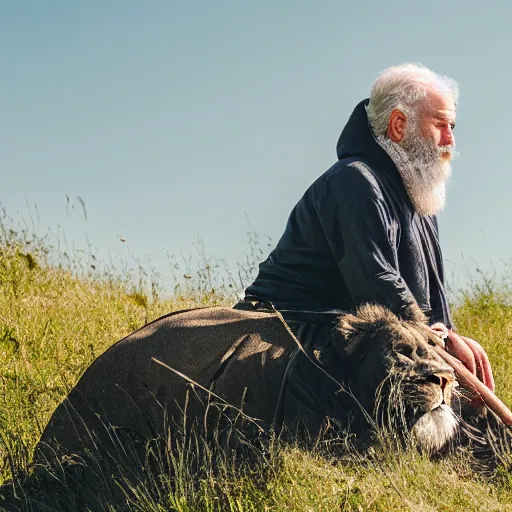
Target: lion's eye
{"x":404,"y":349}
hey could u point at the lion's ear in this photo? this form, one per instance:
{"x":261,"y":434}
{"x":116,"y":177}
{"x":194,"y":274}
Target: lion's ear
{"x":350,"y":334}
{"x":412,"y":313}
{"x":353,"y":331}
{"x":347,"y":325}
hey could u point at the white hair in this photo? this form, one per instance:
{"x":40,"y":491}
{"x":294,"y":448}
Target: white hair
{"x":404,"y":87}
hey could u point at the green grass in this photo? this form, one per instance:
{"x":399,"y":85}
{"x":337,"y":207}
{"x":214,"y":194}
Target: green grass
{"x":56,"y":318}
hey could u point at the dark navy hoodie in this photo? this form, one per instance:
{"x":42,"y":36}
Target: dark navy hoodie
{"x":355,"y":237}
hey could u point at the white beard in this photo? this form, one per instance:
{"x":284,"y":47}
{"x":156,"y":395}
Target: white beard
{"x":422,"y":169}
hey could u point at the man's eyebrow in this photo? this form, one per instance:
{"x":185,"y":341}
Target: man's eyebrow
{"x":444,"y":115}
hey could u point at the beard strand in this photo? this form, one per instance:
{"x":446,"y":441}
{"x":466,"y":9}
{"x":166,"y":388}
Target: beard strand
{"x":423,"y":170}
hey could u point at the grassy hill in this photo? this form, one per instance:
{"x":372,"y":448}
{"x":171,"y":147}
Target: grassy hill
{"x":56,"y":318}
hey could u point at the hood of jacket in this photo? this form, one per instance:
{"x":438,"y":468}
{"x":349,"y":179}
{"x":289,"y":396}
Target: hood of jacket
{"x":358,"y":141}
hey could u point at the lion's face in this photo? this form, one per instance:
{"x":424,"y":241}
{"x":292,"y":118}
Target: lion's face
{"x":397,"y":377}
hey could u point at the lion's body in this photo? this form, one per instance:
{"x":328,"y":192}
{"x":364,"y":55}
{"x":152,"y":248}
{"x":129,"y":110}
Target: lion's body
{"x":252,"y":362}
{"x":240,"y":355}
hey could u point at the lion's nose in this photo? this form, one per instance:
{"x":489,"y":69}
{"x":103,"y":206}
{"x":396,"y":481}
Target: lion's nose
{"x":441,"y":378}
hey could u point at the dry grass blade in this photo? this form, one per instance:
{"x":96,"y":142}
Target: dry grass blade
{"x":254,"y":421}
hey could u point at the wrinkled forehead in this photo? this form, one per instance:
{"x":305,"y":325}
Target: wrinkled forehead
{"x":439,"y":104}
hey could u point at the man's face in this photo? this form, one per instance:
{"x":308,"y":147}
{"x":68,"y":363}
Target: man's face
{"x":428,"y":140}
{"x":436,"y":122}
{"x":423,"y":155}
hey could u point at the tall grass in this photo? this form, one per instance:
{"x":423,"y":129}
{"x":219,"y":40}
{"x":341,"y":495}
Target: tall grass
{"x":57,"y":315}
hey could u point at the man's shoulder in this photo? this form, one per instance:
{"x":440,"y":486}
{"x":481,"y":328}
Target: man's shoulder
{"x":352,"y":175}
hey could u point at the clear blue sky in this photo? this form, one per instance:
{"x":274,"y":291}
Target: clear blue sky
{"x":171,"y":119}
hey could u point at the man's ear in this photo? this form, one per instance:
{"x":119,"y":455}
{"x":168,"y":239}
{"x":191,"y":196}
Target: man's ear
{"x":396,"y":125}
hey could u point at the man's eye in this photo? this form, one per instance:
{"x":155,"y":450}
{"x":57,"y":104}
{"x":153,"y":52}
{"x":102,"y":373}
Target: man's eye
{"x":445,"y":125}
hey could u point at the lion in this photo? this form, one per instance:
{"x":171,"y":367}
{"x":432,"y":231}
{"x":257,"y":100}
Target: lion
{"x":369,"y":370}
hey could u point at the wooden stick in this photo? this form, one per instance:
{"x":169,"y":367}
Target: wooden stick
{"x":467,"y":379}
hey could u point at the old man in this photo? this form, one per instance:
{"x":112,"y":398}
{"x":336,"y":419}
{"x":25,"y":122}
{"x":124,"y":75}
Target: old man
{"x":366,"y":229}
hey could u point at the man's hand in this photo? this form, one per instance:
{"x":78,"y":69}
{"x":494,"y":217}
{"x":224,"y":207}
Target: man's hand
{"x":468,"y":352}
{"x":483,"y":366}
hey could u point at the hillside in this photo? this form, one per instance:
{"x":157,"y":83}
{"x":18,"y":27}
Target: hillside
{"x":56,"y":318}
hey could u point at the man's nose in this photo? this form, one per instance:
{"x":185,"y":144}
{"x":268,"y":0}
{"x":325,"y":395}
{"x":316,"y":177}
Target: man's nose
{"x":447,"y":139}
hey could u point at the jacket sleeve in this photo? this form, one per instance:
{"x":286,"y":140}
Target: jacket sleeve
{"x":362,"y":231}
{"x":438,"y":298}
